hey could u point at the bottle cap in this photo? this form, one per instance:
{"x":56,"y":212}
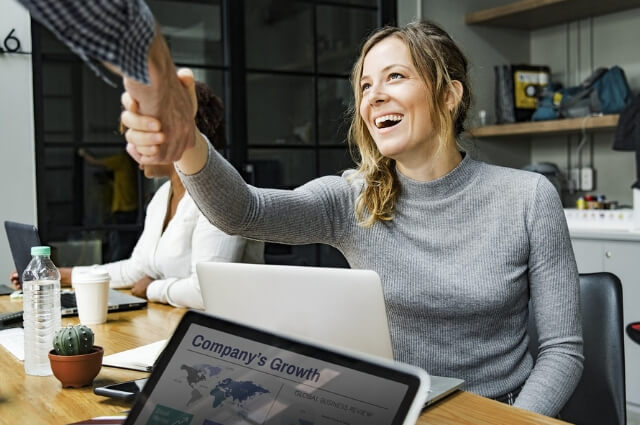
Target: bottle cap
{"x":40,"y":250}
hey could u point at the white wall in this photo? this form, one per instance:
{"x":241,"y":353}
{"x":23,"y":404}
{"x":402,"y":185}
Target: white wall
{"x":408,"y":10}
{"x":17,"y":143}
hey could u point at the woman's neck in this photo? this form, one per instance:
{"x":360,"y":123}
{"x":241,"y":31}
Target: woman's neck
{"x":177,"y":188}
{"x":433,"y":167}
{"x":177,"y":192}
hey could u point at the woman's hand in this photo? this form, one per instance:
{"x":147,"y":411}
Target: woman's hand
{"x":146,"y":135}
{"x":15,"y":280}
{"x":162,"y":140}
{"x":139,"y":289}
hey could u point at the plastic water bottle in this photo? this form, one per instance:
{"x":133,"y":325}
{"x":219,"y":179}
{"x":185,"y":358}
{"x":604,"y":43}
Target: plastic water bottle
{"x":41,"y":305}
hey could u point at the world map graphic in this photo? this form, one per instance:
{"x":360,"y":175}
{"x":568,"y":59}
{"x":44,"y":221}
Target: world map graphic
{"x":203,"y":378}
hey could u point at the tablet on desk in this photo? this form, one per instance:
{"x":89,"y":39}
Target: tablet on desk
{"x":215,"y":371}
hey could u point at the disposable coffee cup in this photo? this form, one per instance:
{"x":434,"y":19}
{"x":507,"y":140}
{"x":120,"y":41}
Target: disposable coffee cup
{"x":92,"y":295}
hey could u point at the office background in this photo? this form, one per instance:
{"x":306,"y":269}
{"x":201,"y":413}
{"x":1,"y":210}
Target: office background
{"x":572,"y":50}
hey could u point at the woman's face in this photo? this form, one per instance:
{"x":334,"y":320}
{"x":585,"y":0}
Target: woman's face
{"x":394,"y":102}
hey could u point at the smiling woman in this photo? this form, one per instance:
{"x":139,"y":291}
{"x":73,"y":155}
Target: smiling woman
{"x":457,"y":298}
{"x":413,"y":93}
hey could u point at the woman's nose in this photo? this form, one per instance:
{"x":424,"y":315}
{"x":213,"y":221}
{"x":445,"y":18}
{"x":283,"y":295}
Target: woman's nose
{"x":377,"y":95}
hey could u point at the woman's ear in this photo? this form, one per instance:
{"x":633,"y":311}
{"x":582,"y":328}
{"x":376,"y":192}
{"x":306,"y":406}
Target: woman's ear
{"x":454,"y":95}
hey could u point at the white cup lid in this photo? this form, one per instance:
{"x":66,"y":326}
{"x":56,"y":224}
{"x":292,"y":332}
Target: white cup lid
{"x":95,"y":274}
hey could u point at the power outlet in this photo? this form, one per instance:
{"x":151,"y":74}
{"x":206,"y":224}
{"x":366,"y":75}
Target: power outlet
{"x":587,"y":179}
{"x":574,"y":176}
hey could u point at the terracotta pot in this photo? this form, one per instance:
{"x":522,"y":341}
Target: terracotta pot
{"x":79,"y":370}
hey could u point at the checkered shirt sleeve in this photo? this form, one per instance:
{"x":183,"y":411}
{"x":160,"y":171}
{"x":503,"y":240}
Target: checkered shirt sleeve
{"x":115,"y":31}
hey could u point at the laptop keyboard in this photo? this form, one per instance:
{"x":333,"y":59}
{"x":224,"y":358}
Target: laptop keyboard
{"x":67,"y":300}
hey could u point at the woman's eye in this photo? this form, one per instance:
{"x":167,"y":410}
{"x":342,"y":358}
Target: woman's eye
{"x":395,"y":76}
{"x":365,"y":86}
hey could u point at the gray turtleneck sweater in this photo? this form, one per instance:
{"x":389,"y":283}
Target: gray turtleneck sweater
{"x":459,"y":263}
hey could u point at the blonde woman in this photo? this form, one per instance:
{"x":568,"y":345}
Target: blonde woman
{"x":461,"y":246}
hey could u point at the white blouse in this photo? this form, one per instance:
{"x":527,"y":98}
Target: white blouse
{"x":170,"y":257}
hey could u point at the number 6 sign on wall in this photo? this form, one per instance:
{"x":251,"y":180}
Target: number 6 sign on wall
{"x":11,"y":43}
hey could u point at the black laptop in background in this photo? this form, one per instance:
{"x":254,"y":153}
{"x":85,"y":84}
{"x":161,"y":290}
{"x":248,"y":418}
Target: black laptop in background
{"x":22,"y":237}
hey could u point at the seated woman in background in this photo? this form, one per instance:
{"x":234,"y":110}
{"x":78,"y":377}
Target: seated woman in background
{"x":176,"y":235}
{"x":466,"y":251}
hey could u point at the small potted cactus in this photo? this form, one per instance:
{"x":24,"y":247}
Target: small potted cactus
{"x":75,"y":361}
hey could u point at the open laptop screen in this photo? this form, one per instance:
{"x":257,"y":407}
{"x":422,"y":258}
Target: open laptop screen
{"x":216,"y":372}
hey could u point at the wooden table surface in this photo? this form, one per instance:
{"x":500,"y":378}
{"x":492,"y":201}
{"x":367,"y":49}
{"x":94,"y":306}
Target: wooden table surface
{"x":41,"y":400}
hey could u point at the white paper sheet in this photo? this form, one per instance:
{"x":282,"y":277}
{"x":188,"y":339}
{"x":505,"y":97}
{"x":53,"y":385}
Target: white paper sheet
{"x":13,"y":340}
{"x":139,"y":358}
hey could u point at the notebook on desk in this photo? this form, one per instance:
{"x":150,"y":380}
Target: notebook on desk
{"x":219,"y":372}
{"x":22,"y":237}
{"x":334,"y":307}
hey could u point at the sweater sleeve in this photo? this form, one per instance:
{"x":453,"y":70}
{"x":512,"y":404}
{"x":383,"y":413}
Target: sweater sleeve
{"x":555,"y":297}
{"x":312,"y":213}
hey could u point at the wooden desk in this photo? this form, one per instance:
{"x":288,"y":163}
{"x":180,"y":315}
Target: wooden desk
{"x":41,"y":400}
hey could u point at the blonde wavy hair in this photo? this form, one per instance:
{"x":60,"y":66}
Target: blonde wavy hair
{"x":439,"y":62}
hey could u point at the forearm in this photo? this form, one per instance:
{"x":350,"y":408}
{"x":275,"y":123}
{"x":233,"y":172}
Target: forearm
{"x":193,"y":160}
{"x":123,"y":274}
{"x":554,"y":377}
{"x":161,"y":70}
{"x":309,"y":214}
{"x":121,"y":31}
{"x":176,"y":292}
{"x":93,"y":160}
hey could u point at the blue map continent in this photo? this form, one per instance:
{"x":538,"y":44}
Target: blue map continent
{"x":239,"y":391}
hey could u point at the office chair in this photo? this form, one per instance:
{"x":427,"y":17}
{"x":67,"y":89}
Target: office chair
{"x":600,"y":395}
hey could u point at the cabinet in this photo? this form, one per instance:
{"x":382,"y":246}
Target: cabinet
{"x":619,"y":255}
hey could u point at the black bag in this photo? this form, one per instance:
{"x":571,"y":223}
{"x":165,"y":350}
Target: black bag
{"x":628,"y":134}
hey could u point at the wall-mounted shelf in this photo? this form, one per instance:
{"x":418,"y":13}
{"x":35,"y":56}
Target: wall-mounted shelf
{"x":533,"y":14}
{"x":553,"y":127}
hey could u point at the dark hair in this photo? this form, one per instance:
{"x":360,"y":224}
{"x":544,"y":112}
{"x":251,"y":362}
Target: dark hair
{"x":210,"y":116}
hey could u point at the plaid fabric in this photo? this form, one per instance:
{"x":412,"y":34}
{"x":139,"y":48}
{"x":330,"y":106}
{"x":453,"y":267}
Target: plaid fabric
{"x":115,"y":31}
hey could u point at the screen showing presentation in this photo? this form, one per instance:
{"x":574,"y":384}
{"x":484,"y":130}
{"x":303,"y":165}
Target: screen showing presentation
{"x":216,"y":378}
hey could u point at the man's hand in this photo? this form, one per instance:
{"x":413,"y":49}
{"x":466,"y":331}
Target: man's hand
{"x":144,"y":131}
{"x":168,"y":100}
{"x":15,"y":280}
{"x":139,"y":288}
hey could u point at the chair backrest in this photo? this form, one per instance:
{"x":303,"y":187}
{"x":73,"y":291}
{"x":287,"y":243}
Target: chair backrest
{"x":600,"y":396}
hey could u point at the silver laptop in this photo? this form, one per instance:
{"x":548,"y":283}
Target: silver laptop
{"x":336,"y":307}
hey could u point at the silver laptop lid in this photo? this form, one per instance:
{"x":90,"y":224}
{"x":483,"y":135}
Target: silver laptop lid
{"x":338,"y":307}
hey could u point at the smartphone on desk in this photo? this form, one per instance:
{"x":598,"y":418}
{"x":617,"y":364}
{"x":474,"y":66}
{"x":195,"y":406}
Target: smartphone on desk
{"x":124,"y":390}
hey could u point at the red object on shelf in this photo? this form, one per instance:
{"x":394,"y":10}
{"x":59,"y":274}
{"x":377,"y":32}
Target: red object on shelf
{"x":633,"y":330}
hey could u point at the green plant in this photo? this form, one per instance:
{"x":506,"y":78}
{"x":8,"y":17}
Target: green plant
{"x":73,"y":340}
